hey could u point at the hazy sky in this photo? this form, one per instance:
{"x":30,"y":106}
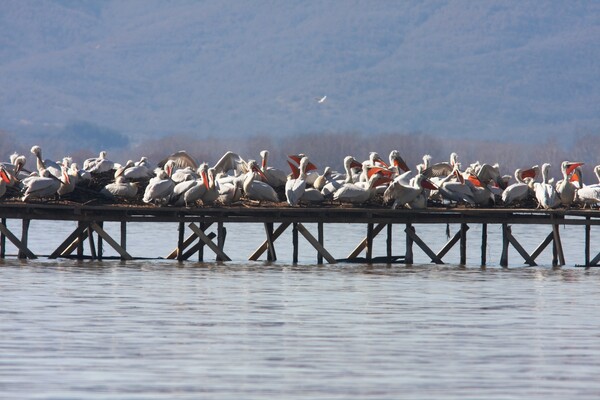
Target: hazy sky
{"x":517,"y":70}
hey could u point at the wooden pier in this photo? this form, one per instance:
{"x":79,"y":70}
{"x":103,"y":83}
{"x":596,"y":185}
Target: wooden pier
{"x":276,"y":220}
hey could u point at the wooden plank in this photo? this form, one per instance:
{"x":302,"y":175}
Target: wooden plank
{"x":209,"y":242}
{"x":315,"y":243}
{"x":520,"y":248}
{"x":542,"y":246}
{"x":595,"y":260}
{"x":110,"y":241}
{"x":364,"y":243}
{"x":415,"y":238}
{"x":263,"y":247}
{"x":22,"y":248}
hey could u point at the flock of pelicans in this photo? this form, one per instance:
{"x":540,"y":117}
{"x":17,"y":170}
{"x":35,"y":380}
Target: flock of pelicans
{"x":179,"y":180}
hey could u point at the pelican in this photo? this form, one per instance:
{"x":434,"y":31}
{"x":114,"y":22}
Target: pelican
{"x":565,"y":188}
{"x":441,"y":169}
{"x":453,"y":187}
{"x":404,"y":194}
{"x":212,"y":192}
{"x":321,"y":100}
{"x":120,"y":188}
{"x":138,"y":170}
{"x":275,"y":176}
{"x":397,"y":163}
{"x":42,"y":186}
{"x":323,"y":178}
{"x":68,"y":185}
{"x":333,"y":185}
{"x":99,"y":164}
{"x":52,"y":167}
{"x":181,"y":188}
{"x":257,"y":190}
{"x":294,"y":188}
{"x":518,"y":191}
{"x":197,"y":190}
{"x":160,"y":188}
{"x":353,"y":193}
{"x":311,"y":173}
{"x":230,"y":192}
{"x":231,"y":161}
{"x":544,"y":192}
{"x":181,"y":159}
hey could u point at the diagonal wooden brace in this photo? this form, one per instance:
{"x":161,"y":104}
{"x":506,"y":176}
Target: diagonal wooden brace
{"x":263,"y":247}
{"x":102,"y":233}
{"x":22,"y":248}
{"x":434,"y":257}
{"x":315,"y":243}
{"x":203,"y":237}
{"x":363,"y":244}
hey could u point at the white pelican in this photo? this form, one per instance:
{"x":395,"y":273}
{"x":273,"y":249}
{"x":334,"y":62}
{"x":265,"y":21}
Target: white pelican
{"x":42,"y":186}
{"x":353,"y":193}
{"x":99,"y":164}
{"x":275,"y":176}
{"x":231,"y":161}
{"x":565,"y":188}
{"x":230,"y":192}
{"x":68,"y":185}
{"x":518,"y":191}
{"x":138,"y":170}
{"x":323,"y":178}
{"x":397,"y":162}
{"x":184,"y":174}
{"x":544,"y":192}
{"x":200,"y":186}
{"x":258,"y":190}
{"x":294,"y":188}
{"x":441,"y":169}
{"x":160,"y":188}
{"x":181,"y":189}
{"x":333,"y":185}
{"x":212,"y":192}
{"x":181,"y":159}
{"x":311,"y":169}
{"x":453,"y":187}
{"x":405,"y":194}
{"x":120,"y":188}
{"x":52,"y":167}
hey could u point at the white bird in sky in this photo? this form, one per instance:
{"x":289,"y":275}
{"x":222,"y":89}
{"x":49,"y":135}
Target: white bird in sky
{"x":321,"y":100}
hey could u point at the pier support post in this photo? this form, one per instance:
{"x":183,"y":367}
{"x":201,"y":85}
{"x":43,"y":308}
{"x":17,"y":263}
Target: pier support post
{"x":587,"y":241}
{"x":408,"y":255}
{"x":180,"y":242}
{"x":123,"y":236}
{"x":100,"y":241}
{"x":81,"y":239}
{"x":504,"y":255}
{"x":221,"y":235}
{"x":321,"y":241}
{"x":558,"y":245}
{"x":3,"y":241}
{"x":264,"y":246}
{"x":483,"y":244}
{"x":90,"y":234}
{"x":295,"y":243}
{"x":24,"y":237}
{"x":463,"y":244}
{"x":271,"y":256}
{"x":369,"y":243}
{"x":388,"y":243}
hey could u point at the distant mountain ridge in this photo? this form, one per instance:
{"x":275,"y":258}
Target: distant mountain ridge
{"x":518,"y":70}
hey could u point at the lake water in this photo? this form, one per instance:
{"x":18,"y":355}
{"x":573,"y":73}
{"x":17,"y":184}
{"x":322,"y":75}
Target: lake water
{"x":255,"y":330}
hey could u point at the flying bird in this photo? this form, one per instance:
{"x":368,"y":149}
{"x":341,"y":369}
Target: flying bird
{"x":321,"y":100}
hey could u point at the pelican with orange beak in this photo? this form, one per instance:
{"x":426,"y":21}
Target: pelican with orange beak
{"x":565,"y":188}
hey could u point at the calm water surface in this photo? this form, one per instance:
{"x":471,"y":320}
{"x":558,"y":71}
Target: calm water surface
{"x":242,"y":330}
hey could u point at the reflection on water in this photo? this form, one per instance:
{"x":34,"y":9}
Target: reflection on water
{"x":255,"y":330}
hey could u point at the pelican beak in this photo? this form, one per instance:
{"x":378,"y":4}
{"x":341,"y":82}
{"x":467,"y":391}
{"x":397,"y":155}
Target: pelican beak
{"x":376,"y":170}
{"x":295,"y":170}
{"x":528,"y":173}
{"x":311,"y":166}
{"x":355,"y":164}
{"x":475,"y":181}
{"x":262,"y":174}
{"x":427,"y":184}
{"x":380,"y":160}
{"x":296,"y":158}
{"x":4,"y":176}
{"x":400,"y":164}
{"x":458,"y":175}
{"x":264,"y":164}
{"x":205,"y":179}
{"x":571,"y":167}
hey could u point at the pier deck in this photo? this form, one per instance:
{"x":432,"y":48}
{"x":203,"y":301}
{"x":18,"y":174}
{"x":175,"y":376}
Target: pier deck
{"x":90,"y":219}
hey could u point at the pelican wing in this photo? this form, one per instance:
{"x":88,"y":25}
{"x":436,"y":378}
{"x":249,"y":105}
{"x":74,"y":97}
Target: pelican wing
{"x":182,"y":159}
